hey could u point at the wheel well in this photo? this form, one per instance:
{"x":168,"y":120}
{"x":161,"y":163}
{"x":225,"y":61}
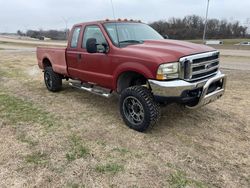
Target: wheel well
{"x":46,"y":63}
{"x":128,"y":79}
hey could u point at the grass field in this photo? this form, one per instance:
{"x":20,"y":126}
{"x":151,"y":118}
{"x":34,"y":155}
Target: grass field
{"x":77,"y":139}
{"x":10,"y":41}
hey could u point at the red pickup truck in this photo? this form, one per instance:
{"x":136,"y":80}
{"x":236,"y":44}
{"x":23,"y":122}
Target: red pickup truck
{"x":131,"y":59}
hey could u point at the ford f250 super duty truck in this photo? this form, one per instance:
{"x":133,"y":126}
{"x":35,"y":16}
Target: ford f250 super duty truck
{"x":131,"y":59}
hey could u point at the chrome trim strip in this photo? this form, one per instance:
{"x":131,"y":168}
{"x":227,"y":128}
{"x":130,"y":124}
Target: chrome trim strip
{"x":199,"y":56}
{"x":205,"y":62}
{"x":187,"y":74}
{"x":203,"y":77}
{"x":205,"y":70}
{"x":170,"y":88}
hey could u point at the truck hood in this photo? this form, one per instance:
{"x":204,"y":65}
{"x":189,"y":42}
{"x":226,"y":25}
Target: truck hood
{"x":165,"y":50}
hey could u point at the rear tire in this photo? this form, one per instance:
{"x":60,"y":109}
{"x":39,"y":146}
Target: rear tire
{"x":138,"y":108}
{"x":53,"y":81}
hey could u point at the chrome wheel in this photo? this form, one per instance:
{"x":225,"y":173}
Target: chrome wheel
{"x":133,"y":110}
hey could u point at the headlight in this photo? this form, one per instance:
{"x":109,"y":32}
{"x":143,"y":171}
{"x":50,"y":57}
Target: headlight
{"x":168,"y":71}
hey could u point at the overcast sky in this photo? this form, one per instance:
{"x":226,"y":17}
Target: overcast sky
{"x":50,"y":14}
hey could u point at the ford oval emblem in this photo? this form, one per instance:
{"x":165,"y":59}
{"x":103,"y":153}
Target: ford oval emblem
{"x":208,"y":66}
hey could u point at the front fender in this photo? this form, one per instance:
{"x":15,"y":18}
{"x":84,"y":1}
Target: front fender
{"x":132,"y":67}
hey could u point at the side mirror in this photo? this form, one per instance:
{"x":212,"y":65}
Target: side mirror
{"x":165,"y":36}
{"x":91,"y":45}
{"x":106,"y":48}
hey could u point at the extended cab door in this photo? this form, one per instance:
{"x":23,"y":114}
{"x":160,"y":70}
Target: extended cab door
{"x":72,"y":53}
{"x":95,"y":67}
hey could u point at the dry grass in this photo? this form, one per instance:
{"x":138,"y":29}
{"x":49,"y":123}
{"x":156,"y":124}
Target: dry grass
{"x":89,"y":145}
{"x":17,"y":110}
{"x":77,"y":150}
{"x":109,"y":168}
{"x":29,"y":43}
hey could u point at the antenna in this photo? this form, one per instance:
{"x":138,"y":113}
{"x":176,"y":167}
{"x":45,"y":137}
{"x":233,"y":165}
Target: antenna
{"x":205,"y":27}
{"x":116,"y":27}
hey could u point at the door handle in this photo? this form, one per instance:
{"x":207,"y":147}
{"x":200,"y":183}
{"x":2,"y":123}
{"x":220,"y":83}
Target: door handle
{"x":79,"y":57}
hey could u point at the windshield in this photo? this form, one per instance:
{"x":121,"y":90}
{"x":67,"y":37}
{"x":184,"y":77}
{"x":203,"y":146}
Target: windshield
{"x":131,"y":33}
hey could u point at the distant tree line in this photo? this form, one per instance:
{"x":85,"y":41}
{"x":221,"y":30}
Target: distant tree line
{"x":52,"y":34}
{"x":192,"y":27}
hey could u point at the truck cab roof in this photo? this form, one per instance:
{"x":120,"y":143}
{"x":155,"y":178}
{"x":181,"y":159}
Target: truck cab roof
{"x":108,"y":21}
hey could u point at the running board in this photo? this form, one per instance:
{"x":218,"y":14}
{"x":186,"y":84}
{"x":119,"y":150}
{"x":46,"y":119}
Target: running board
{"x":92,"y":89}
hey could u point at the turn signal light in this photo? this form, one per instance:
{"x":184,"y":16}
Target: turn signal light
{"x":160,"y":77}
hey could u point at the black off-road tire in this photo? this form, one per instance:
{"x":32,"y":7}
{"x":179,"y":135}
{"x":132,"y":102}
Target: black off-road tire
{"x":151,"y":109}
{"x":53,"y":81}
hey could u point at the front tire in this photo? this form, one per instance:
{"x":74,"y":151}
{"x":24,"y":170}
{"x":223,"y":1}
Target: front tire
{"x":53,"y":81}
{"x":138,"y":108}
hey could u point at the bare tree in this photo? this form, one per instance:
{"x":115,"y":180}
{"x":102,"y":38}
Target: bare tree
{"x":191,"y":27}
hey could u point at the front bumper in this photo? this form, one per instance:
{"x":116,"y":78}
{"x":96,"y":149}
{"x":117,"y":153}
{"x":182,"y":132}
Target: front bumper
{"x":177,"y":88}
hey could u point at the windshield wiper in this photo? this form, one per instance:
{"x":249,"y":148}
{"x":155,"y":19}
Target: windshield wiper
{"x":132,"y":41}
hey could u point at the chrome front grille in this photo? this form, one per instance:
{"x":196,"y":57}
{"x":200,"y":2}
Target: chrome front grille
{"x":199,"y":66}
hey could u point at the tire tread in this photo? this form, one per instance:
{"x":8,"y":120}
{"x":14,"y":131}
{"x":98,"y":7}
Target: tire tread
{"x":147,"y":98}
{"x":56,"y":80}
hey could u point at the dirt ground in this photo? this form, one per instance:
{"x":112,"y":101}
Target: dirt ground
{"x":76,"y":139}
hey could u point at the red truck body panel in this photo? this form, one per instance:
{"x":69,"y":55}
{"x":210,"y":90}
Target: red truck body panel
{"x":104,"y":69}
{"x":56,"y":56}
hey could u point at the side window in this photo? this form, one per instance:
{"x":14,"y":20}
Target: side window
{"x":93,"y":32}
{"x":75,"y":37}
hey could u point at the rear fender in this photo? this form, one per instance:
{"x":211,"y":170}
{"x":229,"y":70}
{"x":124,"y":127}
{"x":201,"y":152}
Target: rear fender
{"x":58,"y":63}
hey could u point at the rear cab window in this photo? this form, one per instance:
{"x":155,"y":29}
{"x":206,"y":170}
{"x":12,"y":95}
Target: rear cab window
{"x":75,"y":37}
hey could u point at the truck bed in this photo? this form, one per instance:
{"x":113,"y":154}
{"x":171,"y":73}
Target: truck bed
{"x":56,"y":56}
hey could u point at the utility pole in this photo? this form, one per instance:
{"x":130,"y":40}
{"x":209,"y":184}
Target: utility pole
{"x":205,"y":28}
{"x":66,"y":20}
